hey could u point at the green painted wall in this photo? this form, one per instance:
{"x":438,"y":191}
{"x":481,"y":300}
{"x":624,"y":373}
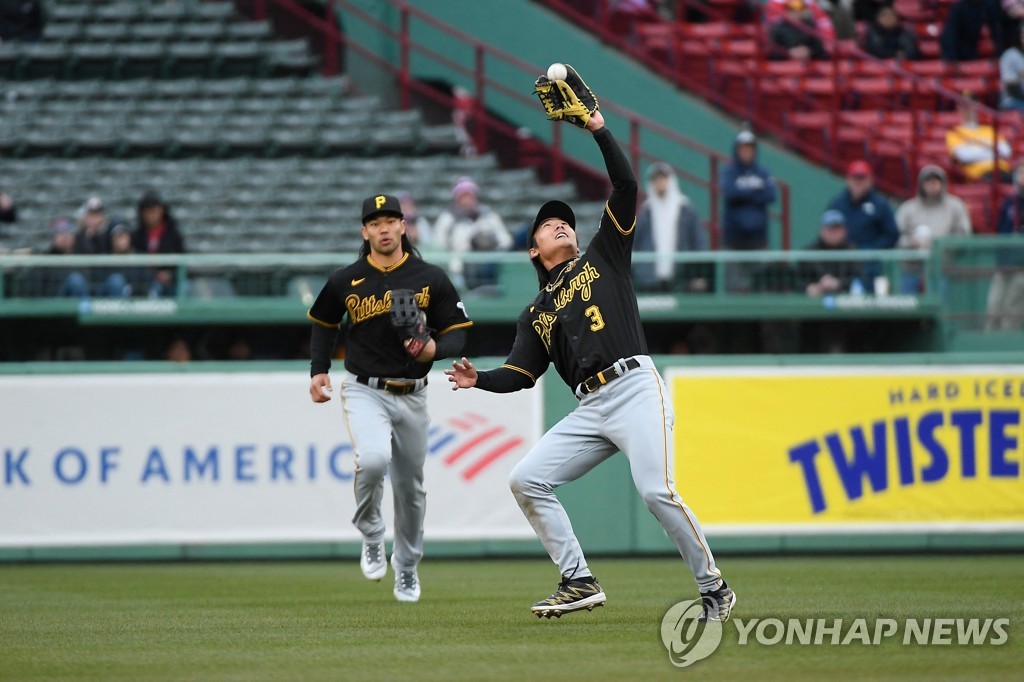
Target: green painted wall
{"x":539,"y":36}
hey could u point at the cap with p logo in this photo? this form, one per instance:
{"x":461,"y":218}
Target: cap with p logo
{"x":381,"y":203}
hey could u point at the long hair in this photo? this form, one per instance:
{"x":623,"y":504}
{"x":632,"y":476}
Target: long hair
{"x":407,"y":247}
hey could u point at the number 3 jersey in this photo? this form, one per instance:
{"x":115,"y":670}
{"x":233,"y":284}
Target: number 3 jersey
{"x":586,"y":317}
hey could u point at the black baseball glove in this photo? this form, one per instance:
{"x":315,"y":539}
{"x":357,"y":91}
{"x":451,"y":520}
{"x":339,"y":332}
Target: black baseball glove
{"x":566,"y":100}
{"x":409,"y":320}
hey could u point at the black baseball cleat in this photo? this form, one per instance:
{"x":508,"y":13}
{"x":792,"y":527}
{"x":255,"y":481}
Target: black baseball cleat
{"x":571,"y":595}
{"x":718,"y":604}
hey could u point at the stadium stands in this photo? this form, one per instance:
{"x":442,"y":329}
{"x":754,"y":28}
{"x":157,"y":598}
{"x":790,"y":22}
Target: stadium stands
{"x":253,"y":150}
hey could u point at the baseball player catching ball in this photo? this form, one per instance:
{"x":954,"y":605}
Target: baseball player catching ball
{"x":585,"y":320}
{"x":392,"y":302}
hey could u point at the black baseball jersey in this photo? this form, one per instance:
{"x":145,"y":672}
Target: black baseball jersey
{"x":360,"y":295}
{"x":586,"y":317}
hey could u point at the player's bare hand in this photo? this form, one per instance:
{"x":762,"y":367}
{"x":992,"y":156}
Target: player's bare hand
{"x":596,"y":121}
{"x":462,"y":374}
{"x":320,"y":388}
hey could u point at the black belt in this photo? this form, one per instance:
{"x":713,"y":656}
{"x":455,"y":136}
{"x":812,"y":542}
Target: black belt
{"x":396,"y":386}
{"x":605,"y":375}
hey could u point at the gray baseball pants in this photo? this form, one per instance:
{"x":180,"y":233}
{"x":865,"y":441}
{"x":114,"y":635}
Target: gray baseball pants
{"x":388,"y":429}
{"x":633,"y":414}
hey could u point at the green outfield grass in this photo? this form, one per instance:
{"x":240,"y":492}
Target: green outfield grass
{"x":324,"y":621}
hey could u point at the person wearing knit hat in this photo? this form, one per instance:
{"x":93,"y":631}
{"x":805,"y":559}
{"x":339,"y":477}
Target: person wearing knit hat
{"x":468,"y":225}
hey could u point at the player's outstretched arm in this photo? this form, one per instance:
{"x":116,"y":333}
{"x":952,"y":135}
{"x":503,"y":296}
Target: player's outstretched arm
{"x":462,"y":375}
{"x":596,"y":122}
{"x":320,"y":388}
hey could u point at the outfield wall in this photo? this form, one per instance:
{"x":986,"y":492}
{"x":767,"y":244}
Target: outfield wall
{"x":154,"y":461}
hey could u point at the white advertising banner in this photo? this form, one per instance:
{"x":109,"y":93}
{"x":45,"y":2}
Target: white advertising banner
{"x":235,"y":457}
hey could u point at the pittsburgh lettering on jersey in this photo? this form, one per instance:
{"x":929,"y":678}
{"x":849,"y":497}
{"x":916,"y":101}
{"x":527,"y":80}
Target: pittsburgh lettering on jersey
{"x":580,"y":283}
{"x":543,"y":325}
{"x":362,"y":308}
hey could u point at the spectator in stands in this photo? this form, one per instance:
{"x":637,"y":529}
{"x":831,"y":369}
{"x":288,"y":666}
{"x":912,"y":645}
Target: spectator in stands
{"x":668,"y":224}
{"x":749,"y":189}
{"x":1011,"y":74}
{"x":933,"y":213}
{"x":21,"y":20}
{"x":135,"y":279}
{"x":867,"y":10}
{"x":796,"y":34}
{"x":468,"y":225}
{"x":91,"y":238}
{"x":971,"y":146}
{"x":59,"y":281}
{"x":1006,"y":292}
{"x":417,"y":227}
{"x":869,"y":219}
{"x":8,"y":211}
{"x":887,"y":38}
{"x":961,"y":34}
{"x":829,"y":277}
{"x":156,"y":232}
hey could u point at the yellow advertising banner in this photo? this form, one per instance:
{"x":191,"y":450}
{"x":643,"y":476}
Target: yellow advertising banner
{"x":823,"y":448}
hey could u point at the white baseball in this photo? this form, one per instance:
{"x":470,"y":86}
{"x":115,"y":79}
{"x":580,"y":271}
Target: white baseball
{"x":557,"y":72}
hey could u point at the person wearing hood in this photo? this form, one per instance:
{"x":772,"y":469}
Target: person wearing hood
{"x":933,"y":213}
{"x":156,"y":232}
{"x":1006,"y":292}
{"x":748,"y":190}
{"x":667,"y":224}
{"x":468,"y":225}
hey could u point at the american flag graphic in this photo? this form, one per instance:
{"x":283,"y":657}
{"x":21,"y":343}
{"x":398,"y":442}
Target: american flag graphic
{"x":472,"y":442}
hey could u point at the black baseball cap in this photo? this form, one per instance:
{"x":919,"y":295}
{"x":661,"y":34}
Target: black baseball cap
{"x":381,"y":203}
{"x":553,"y":209}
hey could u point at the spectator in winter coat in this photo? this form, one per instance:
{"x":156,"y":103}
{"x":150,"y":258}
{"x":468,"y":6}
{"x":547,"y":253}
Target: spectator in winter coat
{"x":795,"y":35}
{"x":869,"y":219}
{"x":93,"y":222}
{"x":829,"y":277}
{"x":667,"y":224}
{"x":887,"y":38}
{"x":468,"y":225}
{"x":971,"y":146}
{"x":748,"y":190}
{"x":1006,"y":292}
{"x":961,"y":33}
{"x":1011,"y":74}
{"x":157,"y":232}
{"x":933,"y":213}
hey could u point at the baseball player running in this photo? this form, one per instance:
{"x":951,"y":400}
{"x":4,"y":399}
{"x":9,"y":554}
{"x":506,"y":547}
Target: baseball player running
{"x":585,"y":320}
{"x":392,"y":301}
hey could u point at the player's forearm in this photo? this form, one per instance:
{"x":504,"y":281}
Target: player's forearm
{"x":502,"y":380}
{"x":449,"y":345}
{"x":322,"y":341}
{"x":622,"y":201}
